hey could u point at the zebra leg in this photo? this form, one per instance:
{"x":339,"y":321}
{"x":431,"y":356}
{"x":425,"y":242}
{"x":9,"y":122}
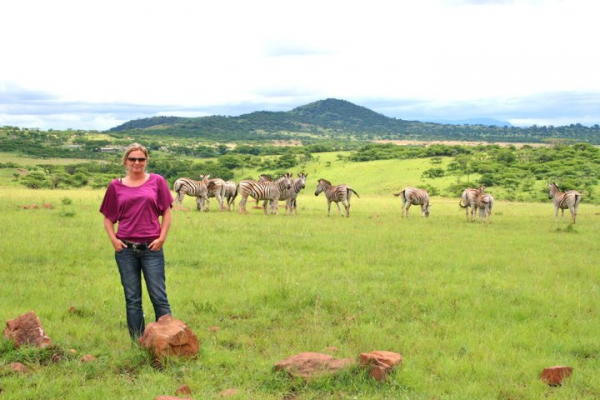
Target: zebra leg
{"x":339,"y":209}
{"x":347,"y":207}
{"x":275,"y":206}
{"x":220,"y":201}
{"x":242,"y":206}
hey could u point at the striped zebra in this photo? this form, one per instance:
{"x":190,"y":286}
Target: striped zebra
{"x":563,"y":200}
{"x":415,"y":197}
{"x":484,"y":203}
{"x":267,"y":191}
{"x":290,"y":195}
{"x":469,"y":199}
{"x":229,"y":194}
{"x":336,"y":194}
{"x":263,"y":178}
{"x":190,"y":187}
{"x":216,"y":188}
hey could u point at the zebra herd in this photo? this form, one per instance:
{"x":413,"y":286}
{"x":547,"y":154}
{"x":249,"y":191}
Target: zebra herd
{"x":476,"y":199}
{"x":286,"y":188}
{"x":270,"y":192}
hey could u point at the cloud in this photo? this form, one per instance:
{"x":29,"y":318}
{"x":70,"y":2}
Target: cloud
{"x":108,"y":62}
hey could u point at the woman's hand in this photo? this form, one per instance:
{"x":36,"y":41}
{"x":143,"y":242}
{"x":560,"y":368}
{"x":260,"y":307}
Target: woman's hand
{"x":156,"y":244}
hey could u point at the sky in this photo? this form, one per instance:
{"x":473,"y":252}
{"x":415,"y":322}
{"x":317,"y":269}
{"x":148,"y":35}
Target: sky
{"x":93,"y":65}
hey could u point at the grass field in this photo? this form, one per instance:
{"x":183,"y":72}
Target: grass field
{"x":477,"y":311}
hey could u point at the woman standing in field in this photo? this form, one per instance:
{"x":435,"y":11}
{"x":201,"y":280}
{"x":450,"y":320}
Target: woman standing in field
{"x":141,"y":205}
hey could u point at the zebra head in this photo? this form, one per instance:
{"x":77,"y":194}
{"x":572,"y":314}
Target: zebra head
{"x":301,"y":181}
{"x":285,"y":182}
{"x":322,"y":185}
{"x":553,"y":190}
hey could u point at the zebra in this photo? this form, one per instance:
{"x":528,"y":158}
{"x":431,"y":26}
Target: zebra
{"x":415,"y":197}
{"x":290,"y":195}
{"x":263,"y":178}
{"x":267,"y":191}
{"x":563,"y":200}
{"x":198,"y":189}
{"x":216,"y":188}
{"x":337,"y":194}
{"x":469,"y":199}
{"x":484,"y":203}
{"x":230,"y":193}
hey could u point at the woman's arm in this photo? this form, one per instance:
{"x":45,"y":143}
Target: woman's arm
{"x":109,"y":227}
{"x":164,"y":231}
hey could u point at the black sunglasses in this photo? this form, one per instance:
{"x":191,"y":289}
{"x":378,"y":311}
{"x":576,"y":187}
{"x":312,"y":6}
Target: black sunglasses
{"x":134,"y":159}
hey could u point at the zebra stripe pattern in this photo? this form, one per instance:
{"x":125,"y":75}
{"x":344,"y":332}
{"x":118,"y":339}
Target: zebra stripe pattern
{"x":290,"y":195}
{"x":469,"y":199}
{"x":415,"y":197}
{"x":215,"y":187}
{"x":564,"y":200}
{"x":267,"y":191}
{"x":229,"y":194}
{"x":485,"y":202}
{"x":337,"y":194}
{"x":190,"y":187}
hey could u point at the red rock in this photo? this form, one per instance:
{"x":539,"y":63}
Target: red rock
{"x":172,"y":398}
{"x":27,"y":329}
{"x":554,"y":376}
{"x":170,"y":337}
{"x":310,"y":364}
{"x":380,"y":363}
{"x":185,"y":389}
{"x":17,"y":367}
{"x":87,"y":358}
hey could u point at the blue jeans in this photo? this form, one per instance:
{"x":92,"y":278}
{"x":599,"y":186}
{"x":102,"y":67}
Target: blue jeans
{"x":132,"y":264}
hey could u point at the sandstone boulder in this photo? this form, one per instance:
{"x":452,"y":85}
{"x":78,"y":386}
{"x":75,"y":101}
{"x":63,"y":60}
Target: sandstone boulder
{"x":554,"y":376}
{"x":380,"y":363}
{"x":169,"y":337}
{"x":27,"y":329}
{"x":307,"y":365}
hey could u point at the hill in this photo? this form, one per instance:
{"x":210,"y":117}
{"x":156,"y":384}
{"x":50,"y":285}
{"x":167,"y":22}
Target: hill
{"x":341,"y":120}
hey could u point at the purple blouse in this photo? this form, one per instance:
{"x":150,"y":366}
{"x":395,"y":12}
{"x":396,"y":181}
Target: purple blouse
{"x":137,"y":209}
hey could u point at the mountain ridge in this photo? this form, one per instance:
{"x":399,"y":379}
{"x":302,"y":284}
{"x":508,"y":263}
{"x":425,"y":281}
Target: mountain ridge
{"x":335,"y":119}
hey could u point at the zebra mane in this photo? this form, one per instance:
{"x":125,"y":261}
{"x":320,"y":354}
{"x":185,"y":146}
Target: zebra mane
{"x":326,"y":181}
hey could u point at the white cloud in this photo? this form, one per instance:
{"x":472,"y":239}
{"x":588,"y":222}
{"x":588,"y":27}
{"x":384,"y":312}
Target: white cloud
{"x":189,"y":55}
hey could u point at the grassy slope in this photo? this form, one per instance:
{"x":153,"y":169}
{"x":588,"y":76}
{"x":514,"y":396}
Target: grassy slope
{"x":476,"y":310}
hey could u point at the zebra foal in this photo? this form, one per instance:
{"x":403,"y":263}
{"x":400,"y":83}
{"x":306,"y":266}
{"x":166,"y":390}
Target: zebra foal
{"x":416,"y":197}
{"x":337,"y":194}
{"x":564,"y":200}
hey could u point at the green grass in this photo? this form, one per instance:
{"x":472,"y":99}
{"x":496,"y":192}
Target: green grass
{"x":477,"y":311}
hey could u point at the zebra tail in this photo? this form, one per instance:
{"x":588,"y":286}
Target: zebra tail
{"x":461,"y":204}
{"x":398,"y":194}
{"x":354,"y":191}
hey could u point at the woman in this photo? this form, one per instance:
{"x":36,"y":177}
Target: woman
{"x":141,"y":205}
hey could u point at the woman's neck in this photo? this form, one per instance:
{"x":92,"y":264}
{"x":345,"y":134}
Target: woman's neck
{"x":136,"y":179}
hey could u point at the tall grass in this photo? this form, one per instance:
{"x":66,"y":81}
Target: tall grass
{"x":476,"y":310}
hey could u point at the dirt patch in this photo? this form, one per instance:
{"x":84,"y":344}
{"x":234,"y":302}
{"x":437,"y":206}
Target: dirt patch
{"x":287,"y":143}
{"x":458,"y":143}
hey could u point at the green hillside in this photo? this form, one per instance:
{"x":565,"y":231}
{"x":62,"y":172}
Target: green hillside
{"x":342,"y":120}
